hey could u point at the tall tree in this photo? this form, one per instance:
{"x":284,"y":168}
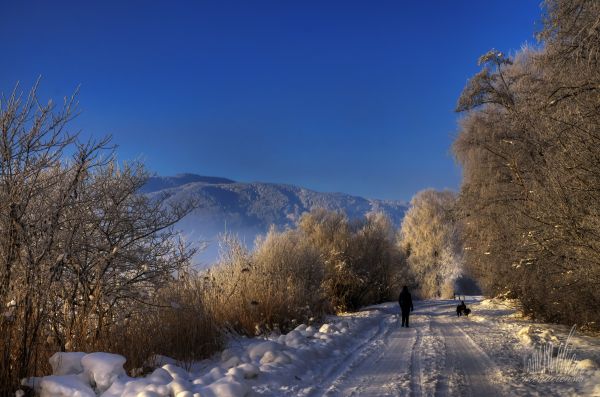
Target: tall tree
{"x":528,"y":145}
{"x":429,"y":238}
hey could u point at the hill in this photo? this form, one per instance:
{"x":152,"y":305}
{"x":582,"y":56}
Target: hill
{"x":249,"y":209}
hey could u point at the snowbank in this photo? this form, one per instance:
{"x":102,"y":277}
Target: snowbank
{"x":531,"y":336}
{"x":65,"y":386}
{"x":66,"y":363}
{"x":278,"y":359}
{"x":102,"y":369}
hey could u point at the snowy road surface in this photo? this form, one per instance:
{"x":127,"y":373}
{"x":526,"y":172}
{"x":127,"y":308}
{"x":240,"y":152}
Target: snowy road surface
{"x":444,"y":355}
{"x":434,"y":357}
{"x":365,"y":353}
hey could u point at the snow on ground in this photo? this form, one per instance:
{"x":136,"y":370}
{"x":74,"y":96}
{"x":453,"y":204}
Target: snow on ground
{"x":360,"y":354}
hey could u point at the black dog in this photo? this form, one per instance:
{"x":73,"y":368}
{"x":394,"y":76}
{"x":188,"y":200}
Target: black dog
{"x":462,"y":309}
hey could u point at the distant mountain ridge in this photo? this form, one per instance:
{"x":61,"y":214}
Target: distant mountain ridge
{"x":249,"y":209}
{"x":156,"y":183}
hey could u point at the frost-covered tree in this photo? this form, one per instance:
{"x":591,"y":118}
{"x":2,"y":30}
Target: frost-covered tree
{"x":80,"y":249}
{"x":429,"y":238}
{"x":529,"y":146}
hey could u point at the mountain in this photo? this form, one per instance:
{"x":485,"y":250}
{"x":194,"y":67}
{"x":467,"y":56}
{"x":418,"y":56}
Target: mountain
{"x":249,"y":209}
{"x":157,"y":183}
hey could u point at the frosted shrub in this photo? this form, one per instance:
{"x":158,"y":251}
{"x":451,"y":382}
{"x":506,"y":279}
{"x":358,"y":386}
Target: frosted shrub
{"x":360,"y":260}
{"x":267,"y":289}
{"x":326,"y":264}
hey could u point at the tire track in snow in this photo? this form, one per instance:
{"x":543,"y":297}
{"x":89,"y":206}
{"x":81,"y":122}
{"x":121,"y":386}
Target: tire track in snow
{"x":441,"y":387}
{"x":386,"y":373}
{"x":435,"y":357}
{"x":432,"y":357}
{"x":415,"y":363}
{"x":350,"y":360}
{"x":468,"y":370}
{"x":386,"y":370}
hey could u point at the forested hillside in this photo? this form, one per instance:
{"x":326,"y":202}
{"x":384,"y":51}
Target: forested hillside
{"x":249,"y":209}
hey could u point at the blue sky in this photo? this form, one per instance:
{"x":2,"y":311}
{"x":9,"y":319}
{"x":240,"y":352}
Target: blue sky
{"x":350,"y":96}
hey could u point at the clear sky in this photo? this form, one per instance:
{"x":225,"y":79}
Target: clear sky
{"x":349,"y":96}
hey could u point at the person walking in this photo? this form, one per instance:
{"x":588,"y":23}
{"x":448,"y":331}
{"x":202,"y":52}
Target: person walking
{"x":461,"y":308}
{"x":406,"y":305}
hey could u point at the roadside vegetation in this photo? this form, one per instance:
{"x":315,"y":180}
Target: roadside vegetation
{"x":87,"y":263}
{"x":82,"y":255}
{"x":327,"y":264}
{"x":529,"y":147}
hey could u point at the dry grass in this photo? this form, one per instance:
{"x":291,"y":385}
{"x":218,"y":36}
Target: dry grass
{"x":274,"y":287}
{"x":178,"y":326}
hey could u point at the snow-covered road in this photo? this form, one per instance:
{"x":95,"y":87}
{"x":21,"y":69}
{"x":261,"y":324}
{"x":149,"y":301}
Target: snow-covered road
{"x":365,"y":353}
{"x":445,"y":355}
{"x":434,"y":357}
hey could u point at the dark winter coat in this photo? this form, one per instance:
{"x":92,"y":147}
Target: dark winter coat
{"x":460,"y":309}
{"x":405,"y":301}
